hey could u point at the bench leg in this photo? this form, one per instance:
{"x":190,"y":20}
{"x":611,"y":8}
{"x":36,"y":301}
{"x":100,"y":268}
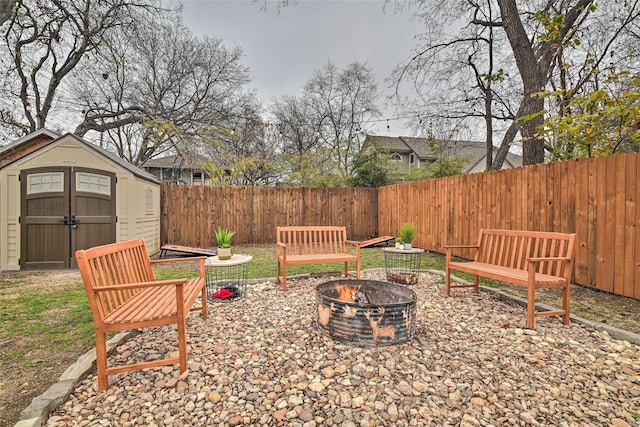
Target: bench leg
{"x":346,"y":269}
{"x":101,"y":360}
{"x":447,"y":281}
{"x":476,"y":284}
{"x":205,"y":315}
{"x":566,"y":303}
{"x":182,"y":344}
{"x":284,"y":277}
{"x":531,"y":307}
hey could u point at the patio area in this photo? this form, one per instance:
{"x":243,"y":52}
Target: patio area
{"x":261,"y":361}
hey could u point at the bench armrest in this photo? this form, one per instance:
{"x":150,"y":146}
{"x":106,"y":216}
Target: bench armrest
{"x":201,"y":260}
{"x":155,"y":283}
{"x":281,"y":248}
{"x":357,"y":245}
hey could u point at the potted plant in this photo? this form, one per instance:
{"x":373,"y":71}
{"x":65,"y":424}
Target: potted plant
{"x":399,"y":244}
{"x":223,"y":238}
{"x":407,"y":233}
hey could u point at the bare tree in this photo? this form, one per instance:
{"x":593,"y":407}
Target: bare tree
{"x":44,"y":41}
{"x":343,"y":102}
{"x":298,"y":129}
{"x":534,"y":60}
{"x":542,"y":48}
{"x":248,"y":153}
{"x":321,"y":130}
{"x":173,"y":83}
{"x":460,"y":76}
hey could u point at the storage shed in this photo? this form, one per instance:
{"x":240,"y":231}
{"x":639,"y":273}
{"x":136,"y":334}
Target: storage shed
{"x":62,"y":193}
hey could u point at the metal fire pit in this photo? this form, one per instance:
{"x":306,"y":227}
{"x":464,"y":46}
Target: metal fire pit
{"x":369,"y":313}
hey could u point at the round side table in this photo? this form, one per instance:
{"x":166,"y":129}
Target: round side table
{"x":402,"y":265}
{"x":227,"y":278}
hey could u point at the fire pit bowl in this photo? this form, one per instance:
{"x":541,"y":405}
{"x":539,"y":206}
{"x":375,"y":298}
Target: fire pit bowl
{"x":366,"y":312}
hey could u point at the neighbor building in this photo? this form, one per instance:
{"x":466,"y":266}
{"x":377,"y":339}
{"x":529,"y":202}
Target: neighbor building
{"x":405,"y":153}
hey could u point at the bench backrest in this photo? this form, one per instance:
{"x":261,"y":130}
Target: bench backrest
{"x":511,"y":248}
{"x":113,"y":264}
{"x":313,"y":240}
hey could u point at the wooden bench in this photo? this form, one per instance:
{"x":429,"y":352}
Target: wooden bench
{"x":314,"y":245}
{"x":533,"y":259}
{"x":124,"y":294}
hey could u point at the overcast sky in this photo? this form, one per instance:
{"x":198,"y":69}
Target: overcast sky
{"x":284,"y":49}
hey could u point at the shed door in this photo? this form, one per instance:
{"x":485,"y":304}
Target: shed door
{"x":65,"y":209}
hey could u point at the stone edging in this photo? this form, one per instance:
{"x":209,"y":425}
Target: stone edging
{"x":36,"y":414}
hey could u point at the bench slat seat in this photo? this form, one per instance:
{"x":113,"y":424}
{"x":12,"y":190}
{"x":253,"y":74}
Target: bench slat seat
{"x":507,"y":274}
{"x":298,"y":245}
{"x":152,"y":304}
{"x":534,"y":259}
{"x":124,"y":294}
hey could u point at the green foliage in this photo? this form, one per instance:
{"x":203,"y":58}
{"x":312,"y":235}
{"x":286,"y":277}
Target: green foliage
{"x":601,"y":122}
{"x":223,"y":237}
{"x":551,"y":23}
{"x":408,"y":232}
{"x":370,"y":170}
{"x":313,"y":170}
{"x":447,"y":167}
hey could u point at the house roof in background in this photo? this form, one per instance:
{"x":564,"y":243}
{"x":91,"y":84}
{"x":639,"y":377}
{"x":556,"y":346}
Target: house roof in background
{"x":474,"y":150}
{"x":182,"y":161}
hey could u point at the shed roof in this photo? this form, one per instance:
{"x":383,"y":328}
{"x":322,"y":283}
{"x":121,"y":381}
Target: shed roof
{"x":23,"y":144}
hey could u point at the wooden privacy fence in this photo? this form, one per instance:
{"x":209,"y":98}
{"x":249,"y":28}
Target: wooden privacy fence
{"x":598,"y":199}
{"x":190,"y":214}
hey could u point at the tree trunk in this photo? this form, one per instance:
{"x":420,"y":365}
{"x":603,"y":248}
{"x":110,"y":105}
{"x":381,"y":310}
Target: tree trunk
{"x":533,"y":80}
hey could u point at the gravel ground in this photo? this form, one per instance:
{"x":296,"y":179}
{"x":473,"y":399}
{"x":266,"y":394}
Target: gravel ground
{"x":260,"y":361}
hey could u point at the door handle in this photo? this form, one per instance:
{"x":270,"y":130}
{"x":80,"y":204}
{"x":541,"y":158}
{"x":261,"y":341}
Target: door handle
{"x":65,"y":220}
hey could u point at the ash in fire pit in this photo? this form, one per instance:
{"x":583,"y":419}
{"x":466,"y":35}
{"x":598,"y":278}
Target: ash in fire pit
{"x":366,"y":312}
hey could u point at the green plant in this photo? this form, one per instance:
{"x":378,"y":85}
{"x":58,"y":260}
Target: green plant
{"x":223,"y":237}
{"x":399,"y":239}
{"x":408,"y":232}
